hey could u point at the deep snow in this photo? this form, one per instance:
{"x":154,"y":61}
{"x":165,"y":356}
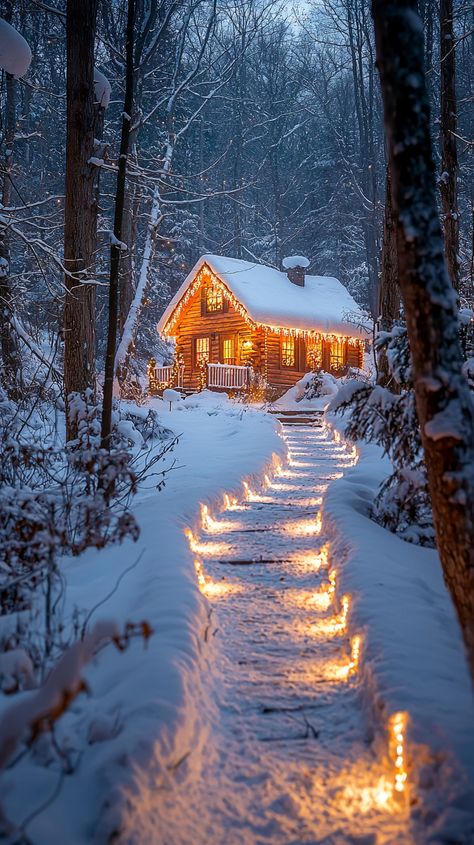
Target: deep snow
{"x":151,"y":719}
{"x":142,"y":714}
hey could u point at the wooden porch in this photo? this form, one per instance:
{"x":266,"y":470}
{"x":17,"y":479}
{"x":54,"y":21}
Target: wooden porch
{"x":218,"y":377}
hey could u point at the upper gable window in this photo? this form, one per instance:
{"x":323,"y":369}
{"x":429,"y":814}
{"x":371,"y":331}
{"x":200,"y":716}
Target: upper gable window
{"x":214,"y":300}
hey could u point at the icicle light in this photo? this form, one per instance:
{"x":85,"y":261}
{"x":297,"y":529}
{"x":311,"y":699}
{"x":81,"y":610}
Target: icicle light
{"x":206,"y":277}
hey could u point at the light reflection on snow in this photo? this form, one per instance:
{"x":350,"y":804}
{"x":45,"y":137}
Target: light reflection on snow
{"x":215,"y":526}
{"x":207,"y":549}
{"x":214,"y":589}
{"x":303,"y":527}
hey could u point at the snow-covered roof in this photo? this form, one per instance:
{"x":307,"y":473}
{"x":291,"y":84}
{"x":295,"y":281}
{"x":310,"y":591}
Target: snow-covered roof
{"x":322,"y":305}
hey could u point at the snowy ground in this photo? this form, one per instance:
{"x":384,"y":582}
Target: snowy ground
{"x":289,"y":758}
{"x":142,"y":713}
{"x":260,"y":723}
{"x":413,"y":654}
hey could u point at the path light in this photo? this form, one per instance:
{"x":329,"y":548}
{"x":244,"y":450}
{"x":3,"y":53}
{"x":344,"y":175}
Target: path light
{"x":231,"y":503}
{"x":214,"y":526}
{"x":323,"y":557}
{"x":335,"y":624}
{"x":321,"y":599}
{"x":205,"y":549}
{"x":213,"y":589}
{"x":303,"y":527}
{"x":397,"y":733}
{"x":334,"y":670}
{"x":353,"y":666}
{"x":250,"y":495}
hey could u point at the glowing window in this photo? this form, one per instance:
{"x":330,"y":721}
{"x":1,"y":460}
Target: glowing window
{"x":337,"y":354}
{"x":288,"y":352}
{"x":228,"y":350}
{"x":214,"y":299}
{"x":202,"y":349}
{"x":314,"y":354}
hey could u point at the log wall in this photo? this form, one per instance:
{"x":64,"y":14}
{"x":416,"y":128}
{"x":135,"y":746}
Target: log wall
{"x":194,"y":323}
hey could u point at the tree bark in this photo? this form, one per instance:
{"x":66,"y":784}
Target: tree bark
{"x":11,"y":359}
{"x":80,"y":215}
{"x":389,"y":291}
{"x":115,"y":248}
{"x":11,"y":375}
{"x":444,"y":403}
{"x":449,"y":153}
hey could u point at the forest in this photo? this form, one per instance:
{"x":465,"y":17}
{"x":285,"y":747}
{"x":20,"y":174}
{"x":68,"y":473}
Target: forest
{"x":144,"y":144}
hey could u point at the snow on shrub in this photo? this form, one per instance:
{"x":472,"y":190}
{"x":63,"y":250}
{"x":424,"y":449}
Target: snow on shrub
{"x":390,"y":419}
{"x":15,"y":53}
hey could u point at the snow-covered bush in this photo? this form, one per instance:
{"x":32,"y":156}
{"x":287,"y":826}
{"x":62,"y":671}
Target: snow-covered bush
{"x":58,"y":500}
{"x":319,"y":384}
{"x":390,"y":420}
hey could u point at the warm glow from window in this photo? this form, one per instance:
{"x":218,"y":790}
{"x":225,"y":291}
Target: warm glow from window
{"x":214,"y":299}
{"x":337,"y":354}
{"x":314,"y":353}
{"x":228,"y":356}
{"x":202,"y":349}
{"x":288,"y":352}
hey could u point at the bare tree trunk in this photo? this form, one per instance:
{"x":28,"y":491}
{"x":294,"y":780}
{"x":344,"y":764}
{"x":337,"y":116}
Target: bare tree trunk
{"x":115,"y":248}
{"x":444,"y":404}
{"x":80,"y":209}
{"x":389,"y":291}
{"x":449,"y":153}
{"x":11,"y":359}
{"x":11,"y":375}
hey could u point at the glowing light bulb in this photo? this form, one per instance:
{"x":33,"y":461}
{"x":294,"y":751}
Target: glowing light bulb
{"x":214,"y":526}
{"x":303,"y":527}
{"x":205,"y":549}
{"x":335,"y":624}
{"x":397,"y":730}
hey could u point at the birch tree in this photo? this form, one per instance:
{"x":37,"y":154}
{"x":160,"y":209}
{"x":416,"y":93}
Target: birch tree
{"x":444,"y":403}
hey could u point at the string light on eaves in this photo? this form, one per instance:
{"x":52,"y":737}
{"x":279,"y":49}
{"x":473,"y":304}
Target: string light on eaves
{"x":207,"y":277}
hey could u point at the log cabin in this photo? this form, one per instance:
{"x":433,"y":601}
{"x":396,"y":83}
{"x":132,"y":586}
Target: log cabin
{"x":231,"y":318}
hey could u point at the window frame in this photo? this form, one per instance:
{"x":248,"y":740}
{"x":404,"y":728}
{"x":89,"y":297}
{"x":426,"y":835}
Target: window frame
{"x":293,"y":339}
{"x":228,"y":337}
{"x":205,"y":311}
{"x":196,"y":338}
{"x":341,"y":357}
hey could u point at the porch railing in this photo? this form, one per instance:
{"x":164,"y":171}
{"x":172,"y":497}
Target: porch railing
{"x":163,"y":376}
{"x":227,"y":375}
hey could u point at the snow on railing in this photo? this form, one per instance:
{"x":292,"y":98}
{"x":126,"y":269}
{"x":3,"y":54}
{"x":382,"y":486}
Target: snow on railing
{"x":164,"y":376}
{"x":227,"y":375}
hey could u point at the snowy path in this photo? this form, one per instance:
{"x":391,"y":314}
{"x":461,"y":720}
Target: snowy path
{"x":288,"y":759}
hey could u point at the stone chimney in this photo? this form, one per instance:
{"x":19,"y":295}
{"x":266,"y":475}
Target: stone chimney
{"x":295,"y":266}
